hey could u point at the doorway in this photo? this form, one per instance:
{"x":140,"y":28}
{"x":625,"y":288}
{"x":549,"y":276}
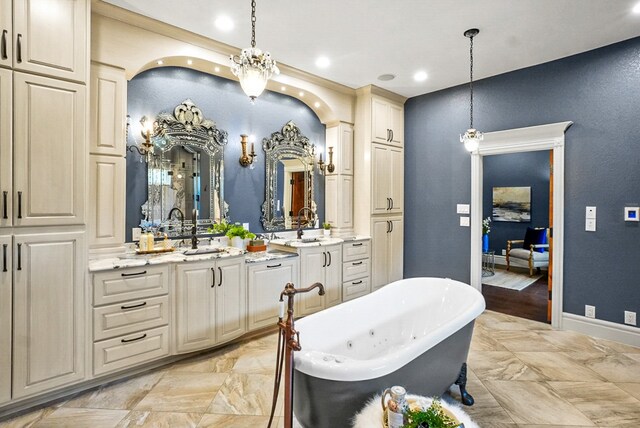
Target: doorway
{"x":542,"y":137}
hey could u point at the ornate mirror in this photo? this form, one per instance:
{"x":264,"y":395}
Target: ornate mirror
{"x":186,"y":173}
{"x":289,"y":179}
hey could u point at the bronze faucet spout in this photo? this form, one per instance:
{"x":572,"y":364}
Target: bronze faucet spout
{"x":300,"y":232}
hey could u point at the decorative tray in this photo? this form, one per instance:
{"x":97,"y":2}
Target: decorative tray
{"x":155,"y":251}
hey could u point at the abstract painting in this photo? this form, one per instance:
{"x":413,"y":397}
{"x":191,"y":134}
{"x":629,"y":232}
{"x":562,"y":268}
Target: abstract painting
{"x":512,"y":204}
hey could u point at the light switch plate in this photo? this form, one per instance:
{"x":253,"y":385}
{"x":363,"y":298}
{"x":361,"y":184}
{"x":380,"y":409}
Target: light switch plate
{"x":463,"y":209}
{"x":590,"y":225}
{"x":135,"y":233}
{"x":246,"y":226}
{"x":591,"y":213}
{"x":465,"y":221}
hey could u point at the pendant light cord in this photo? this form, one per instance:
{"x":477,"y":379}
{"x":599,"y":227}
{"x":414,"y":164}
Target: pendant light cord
{"x":471,"y":83}
{"x":253,"y":24}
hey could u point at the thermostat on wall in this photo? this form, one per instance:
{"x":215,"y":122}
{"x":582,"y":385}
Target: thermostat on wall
{"x":631,"y":213}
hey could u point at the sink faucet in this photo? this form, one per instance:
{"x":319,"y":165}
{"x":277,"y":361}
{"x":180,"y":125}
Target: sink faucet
{"x":194,"y":239}
{"x":300,"y":232}
{"x":179,"y":211}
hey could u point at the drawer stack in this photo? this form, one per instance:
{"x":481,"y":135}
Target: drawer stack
{"x":356,"y":269}
{"x":130,"y":317}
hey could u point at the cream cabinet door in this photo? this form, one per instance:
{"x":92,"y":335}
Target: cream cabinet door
{"x":231,"y":301}
{"x":265,"y":282}
{"x":108,"y":106}
{"x":380,"y":229}
{"x":396,"y":250}
{"x":380,"y":178}
{"x":333,"y":276}
{"x":49,"y":312}
{"x":106,"y":201}
{"x":195,"y":306}
{"x":396,"y":182}
{"x":379,"y":121}
{"x":345,"y":158}
{"x":49,"y":151}
{"x":6,"y":318}
{"x":312,"y":269}
{"x":6,"y":38}
{"x":6,"y":145}
{"x":51,"y":37}
{"x":396,"y":124}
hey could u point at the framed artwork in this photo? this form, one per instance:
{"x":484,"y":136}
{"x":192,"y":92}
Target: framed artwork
{"x":512,"y":204}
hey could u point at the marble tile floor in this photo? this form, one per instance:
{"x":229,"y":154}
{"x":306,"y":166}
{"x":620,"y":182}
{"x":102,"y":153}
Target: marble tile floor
{"x":523,"y":374}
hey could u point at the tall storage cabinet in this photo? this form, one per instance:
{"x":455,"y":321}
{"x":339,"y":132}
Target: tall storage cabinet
{"x":379,"y":180}
{"x":339,"y":184}
{"x":6,"y":318}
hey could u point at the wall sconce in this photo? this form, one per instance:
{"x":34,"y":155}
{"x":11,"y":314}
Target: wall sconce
{"x":144,"y":149}
{"x":246,"y":159}
{"x":327,"y":168}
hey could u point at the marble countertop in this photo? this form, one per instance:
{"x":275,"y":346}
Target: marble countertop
{"x":319,"y":241}
{"x":266,"y":256}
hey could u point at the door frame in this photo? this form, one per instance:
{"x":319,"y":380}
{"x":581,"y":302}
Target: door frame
{"x":533,"y":138}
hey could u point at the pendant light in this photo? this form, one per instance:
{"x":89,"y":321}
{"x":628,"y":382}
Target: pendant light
{"x":253,"y":67}
{"x":472,"y":137}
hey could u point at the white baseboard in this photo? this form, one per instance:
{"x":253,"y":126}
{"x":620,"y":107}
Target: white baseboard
{"x":603,"y":329}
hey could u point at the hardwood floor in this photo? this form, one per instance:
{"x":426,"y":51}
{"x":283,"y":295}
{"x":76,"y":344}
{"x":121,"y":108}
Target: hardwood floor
{"x":530,"y":303}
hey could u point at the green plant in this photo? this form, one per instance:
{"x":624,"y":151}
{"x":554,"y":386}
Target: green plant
{"x":485,"y":225}
{"x":238,"y":230}
{"x":222,"y":227}
{"x":433,"y":417}
{"x":326,"y":226}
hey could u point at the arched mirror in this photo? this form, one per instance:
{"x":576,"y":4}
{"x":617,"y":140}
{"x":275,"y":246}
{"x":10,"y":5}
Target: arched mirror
{"x":186,"y":172}
{"x":289,"y":180}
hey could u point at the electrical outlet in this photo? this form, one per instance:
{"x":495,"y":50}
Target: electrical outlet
{"x":629,"y":317}
{"x":245,"y":225}
{"x":135,"y":233}
{"x":589,"y":311}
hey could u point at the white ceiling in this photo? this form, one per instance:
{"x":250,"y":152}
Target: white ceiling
{"x":367,"y":38}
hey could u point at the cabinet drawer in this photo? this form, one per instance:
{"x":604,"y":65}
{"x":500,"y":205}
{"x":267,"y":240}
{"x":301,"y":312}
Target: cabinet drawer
{"x":127,"y":351}
{"x":354,"y":270}
{"x":129,"y":284}
{"x":129,"y":317}
{"x":353,"y":289}
{"x":355,"y":250}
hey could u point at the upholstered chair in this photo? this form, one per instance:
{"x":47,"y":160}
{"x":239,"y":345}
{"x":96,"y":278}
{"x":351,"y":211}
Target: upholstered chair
{"x":531,"y":252}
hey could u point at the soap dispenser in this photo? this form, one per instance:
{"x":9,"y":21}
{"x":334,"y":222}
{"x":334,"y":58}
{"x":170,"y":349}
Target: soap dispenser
{"x":142,"y":243}
{"x":150,"y":241}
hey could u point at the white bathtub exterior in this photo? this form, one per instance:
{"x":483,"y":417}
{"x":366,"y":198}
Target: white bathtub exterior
{"x":377,"y":334}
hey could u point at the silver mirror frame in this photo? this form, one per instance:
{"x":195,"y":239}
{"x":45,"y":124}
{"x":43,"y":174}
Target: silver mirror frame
{"x":188,"y":127}
{"x":286,"y":143}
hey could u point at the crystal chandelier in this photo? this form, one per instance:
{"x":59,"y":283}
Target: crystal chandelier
{"x":253,"y":67}
{"x":472,"y":137}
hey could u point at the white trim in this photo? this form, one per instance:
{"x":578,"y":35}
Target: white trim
{"x":533,"y":138}
{"x":603,"y":329}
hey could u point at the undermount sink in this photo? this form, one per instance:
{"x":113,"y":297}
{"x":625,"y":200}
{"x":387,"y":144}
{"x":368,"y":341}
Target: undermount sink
{"x":197,"y":251}
{"x":310,"y":239}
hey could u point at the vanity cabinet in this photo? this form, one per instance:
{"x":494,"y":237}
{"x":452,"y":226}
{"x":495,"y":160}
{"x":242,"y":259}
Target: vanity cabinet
{"x":210,"y":303}
{"x":45,"y":37}
{"x":386,"y":251}
{"x":265,"y":282}
{"x":130,"y":317}
{"x":387,"y":176}
{"x":6,"y":318}
{"x":48,"y":311}
{"x":387,"y":122}
{"x":320,"y":264}
{"x":356,"y":269}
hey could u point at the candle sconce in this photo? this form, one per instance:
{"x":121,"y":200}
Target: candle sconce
{"x":327,"y":167}
{"x":144,"y":149}
{"x":246,"y":159}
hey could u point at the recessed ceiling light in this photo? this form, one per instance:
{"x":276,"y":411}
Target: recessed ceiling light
{"x":160,"y":62}
{"x":323,"y":62}
{"x":283,"y":88}
{"x":301,"y":94}
{"x":189,"y":61}
{"x":420,"y":76}
{"x":224,"y":23}
{"x":386,"y":77}
{"x":216,"y":69}
{"x":636,"y":8}
{"x":316,"y":104}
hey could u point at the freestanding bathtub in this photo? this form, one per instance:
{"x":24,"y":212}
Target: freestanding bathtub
{"x":414,"y":333}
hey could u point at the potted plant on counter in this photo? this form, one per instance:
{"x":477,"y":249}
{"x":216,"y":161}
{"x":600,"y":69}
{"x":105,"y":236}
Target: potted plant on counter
{"x":239,"y":235}
{"x":327,"y":229}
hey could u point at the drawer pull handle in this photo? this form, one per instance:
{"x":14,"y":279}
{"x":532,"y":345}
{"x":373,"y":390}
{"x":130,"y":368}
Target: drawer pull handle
{"x":139,"y":305}
{"x":359,"y":244}
{"x":134,"y":274}
{"x":134,"y":339}
{"x":356,"y":263}
{"x":274,"y":266}
{"x":357,"y":282}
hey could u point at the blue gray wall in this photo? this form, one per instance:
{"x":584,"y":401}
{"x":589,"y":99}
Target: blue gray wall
{"x":516,"y":170}
{"x":223,"y":101}
{"x":600,"y":92}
